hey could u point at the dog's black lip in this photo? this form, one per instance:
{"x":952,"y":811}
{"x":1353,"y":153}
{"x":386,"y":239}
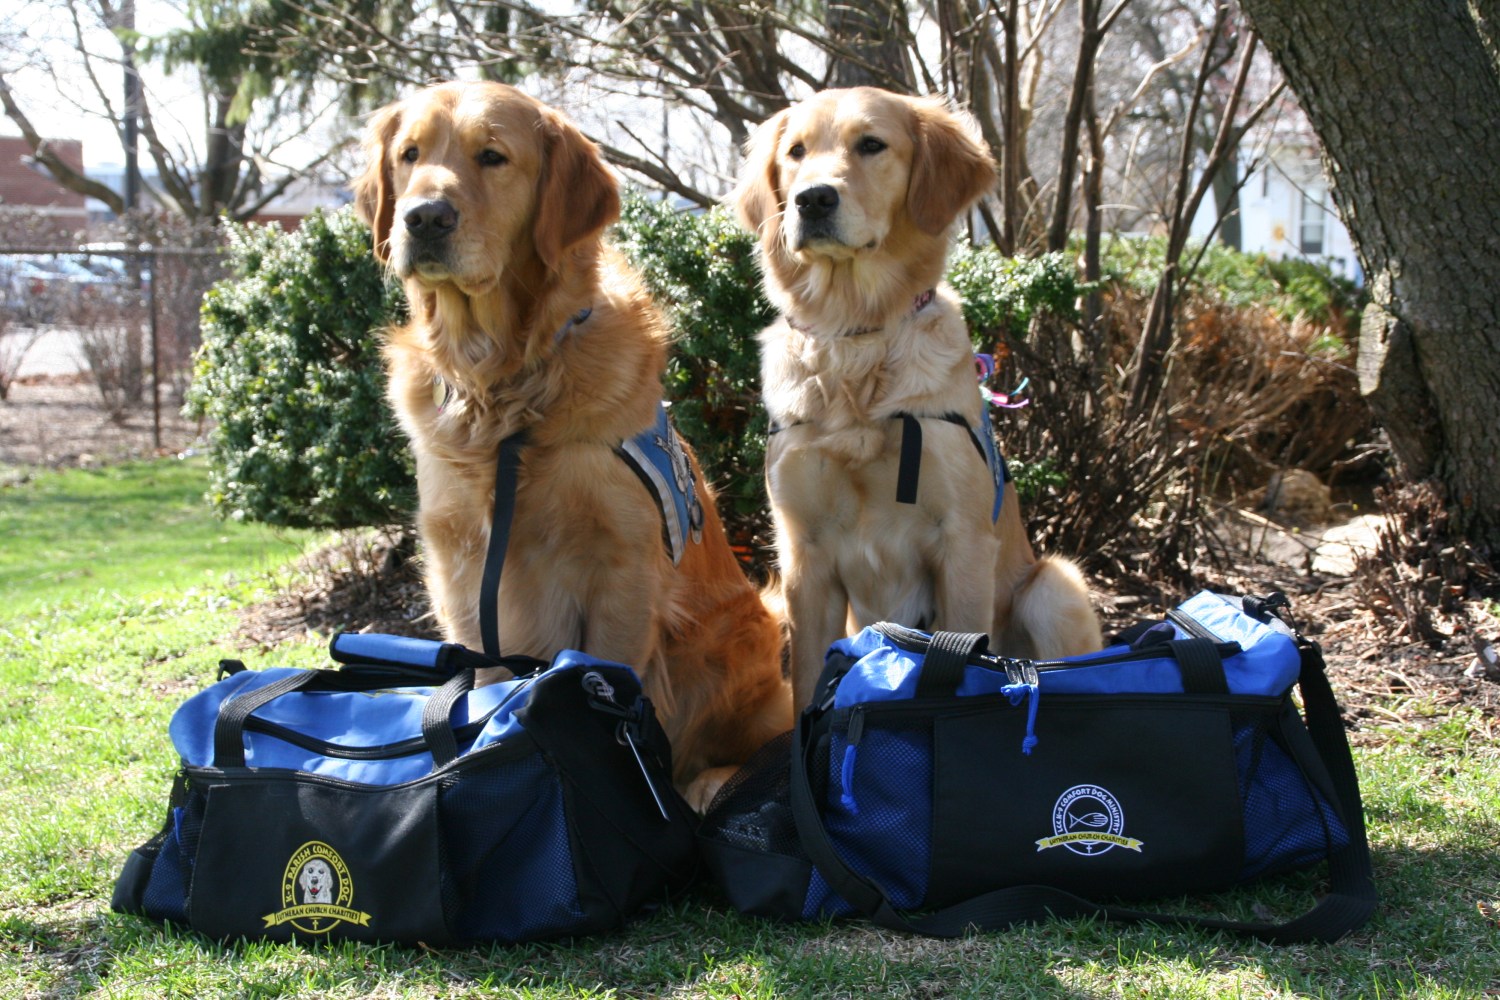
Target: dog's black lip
{"x":425,"y":260}
{"x":816,"y":235}
{"x":815,"y":228}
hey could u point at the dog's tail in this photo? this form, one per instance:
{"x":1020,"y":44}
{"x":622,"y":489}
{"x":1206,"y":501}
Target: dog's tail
{"x":1052,"y":616}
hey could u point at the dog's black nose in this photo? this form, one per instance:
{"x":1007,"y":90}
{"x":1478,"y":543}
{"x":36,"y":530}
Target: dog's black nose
{"x":817,"y":202}
{"x":430,"y":220}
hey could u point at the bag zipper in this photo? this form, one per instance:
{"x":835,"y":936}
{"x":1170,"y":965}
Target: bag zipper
{"x":515,"y":747}
{"x":852,"y":735}
{"x":916,"y":642}
{"x":384,"y":751}
{"x":466,"y":733}
{"x":1191,"y":626}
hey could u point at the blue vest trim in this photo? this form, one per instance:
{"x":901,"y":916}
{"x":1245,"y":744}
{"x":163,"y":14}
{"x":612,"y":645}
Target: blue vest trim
{"x":658,"y":458}
{"x":985,"y":437}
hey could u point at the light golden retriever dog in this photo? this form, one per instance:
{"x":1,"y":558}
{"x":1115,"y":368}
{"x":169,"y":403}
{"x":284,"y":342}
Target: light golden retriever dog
{"x":490,"y":207}
{"x":853,"y":194}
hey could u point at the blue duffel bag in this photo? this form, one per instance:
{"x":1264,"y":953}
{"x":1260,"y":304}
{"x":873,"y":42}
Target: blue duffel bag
{"x":934,"y":787}
{"x":391,"y":800}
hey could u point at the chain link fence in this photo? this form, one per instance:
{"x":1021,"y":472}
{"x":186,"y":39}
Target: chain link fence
{"x":121,"y":311}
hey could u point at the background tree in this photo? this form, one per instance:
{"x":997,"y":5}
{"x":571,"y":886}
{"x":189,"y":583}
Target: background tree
{"x":1406,"y":99}
{"x":251,"y":144}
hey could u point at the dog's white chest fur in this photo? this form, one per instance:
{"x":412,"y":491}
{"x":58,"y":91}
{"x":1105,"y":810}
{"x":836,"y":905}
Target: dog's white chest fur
{"x":835,"y":459}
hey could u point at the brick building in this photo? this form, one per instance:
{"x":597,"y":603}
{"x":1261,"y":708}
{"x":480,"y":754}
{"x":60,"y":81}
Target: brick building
{"x":34,"y":207}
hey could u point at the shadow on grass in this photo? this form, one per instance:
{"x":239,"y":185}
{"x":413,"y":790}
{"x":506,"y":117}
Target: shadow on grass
{"x":1427,"y":939}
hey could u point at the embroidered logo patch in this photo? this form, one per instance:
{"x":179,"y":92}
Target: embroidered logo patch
{"x":316,"y":891}
{"x":1088,"y":820}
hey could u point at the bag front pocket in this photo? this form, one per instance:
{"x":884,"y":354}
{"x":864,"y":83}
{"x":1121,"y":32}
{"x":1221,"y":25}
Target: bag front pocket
{"x":282,"y":858}
{"x":1135,"y":794}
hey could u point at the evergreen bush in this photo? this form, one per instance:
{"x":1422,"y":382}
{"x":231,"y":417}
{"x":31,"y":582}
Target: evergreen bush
{"x":290,"y":376}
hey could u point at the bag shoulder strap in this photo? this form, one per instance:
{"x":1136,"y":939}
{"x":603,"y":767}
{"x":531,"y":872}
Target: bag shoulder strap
{"x":1348,"y":905}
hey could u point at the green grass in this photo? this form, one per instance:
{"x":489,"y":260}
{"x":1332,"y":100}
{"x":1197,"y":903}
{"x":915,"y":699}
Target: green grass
{"x":125,"y":529}
{"x":90,"y":672}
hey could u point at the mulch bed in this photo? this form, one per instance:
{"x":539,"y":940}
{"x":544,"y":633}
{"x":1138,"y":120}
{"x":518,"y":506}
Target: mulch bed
{"x":372,"y":582}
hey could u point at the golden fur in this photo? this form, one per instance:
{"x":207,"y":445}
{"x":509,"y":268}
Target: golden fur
{"x":853,"y":194}
{"x":490,"y":207}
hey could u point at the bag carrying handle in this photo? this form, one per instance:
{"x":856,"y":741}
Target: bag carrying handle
{"x":437,"y":729}
{"x":1349,"y":905}
{"x":943,"y":665}
{"x":393,"y":654}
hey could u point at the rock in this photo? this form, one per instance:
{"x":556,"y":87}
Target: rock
{"x":1486,"y":665}
{"x":1299,"y":496}
{"x":1341,"y":546}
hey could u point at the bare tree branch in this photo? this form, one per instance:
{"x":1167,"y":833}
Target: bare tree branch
{"x":47,"y":157}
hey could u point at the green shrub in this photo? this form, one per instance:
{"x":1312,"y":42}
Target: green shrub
{"x":290,"y":375}
{"x":1001,"y":294}
{"x":1315,"y":291}
{"x":1288,"y":287}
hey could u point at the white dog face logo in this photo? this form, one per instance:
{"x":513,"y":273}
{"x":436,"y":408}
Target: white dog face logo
{"x":317,"y":892}
{"x":316,"y":880}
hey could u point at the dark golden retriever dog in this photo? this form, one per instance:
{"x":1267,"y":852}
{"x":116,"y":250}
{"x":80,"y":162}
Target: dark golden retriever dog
{"x":853,"y":194}
{"x":490,"y":207}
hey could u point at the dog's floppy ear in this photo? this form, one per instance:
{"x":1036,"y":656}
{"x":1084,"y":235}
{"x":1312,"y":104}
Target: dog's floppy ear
{"x":374,"y":199}
{"x":757,"y":198}
{"x":577,"y":196}
{"x":951,"y":168}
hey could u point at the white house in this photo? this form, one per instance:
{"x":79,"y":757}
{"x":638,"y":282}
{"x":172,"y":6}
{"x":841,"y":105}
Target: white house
{"x":1286,"y":211}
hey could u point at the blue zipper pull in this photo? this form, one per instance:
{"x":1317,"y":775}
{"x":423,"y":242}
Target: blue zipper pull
{"x":1028,"y":688}
{"x":846,"y":768}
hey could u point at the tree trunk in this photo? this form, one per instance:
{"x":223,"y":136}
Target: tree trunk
{"x":1227,"y":199}
{"x":873,"y":33}
{"x":1089,"y":39}
{"x":1406,"y":99}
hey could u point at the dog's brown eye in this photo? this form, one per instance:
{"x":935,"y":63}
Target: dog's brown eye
{"x":869,"y":146}
{"x":797,"y":152}
{"x":409,"y":154}
{"x":491,"y":158}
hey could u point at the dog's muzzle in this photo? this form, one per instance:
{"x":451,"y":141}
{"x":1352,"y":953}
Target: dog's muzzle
{"x":428,"y":225}
{"x":817,"y":211}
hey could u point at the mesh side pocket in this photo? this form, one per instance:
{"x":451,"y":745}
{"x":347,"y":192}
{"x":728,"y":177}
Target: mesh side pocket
{"x":171,"y":882}
{"x":507,"y":864}
{"x":878,"y":812}
{"x":1288,"y":822}
{"x":754,"y":808}
{"x":748,"y":839}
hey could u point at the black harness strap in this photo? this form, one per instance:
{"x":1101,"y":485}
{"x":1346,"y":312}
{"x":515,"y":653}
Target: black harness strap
{"x":910,"y":470}
{"x":507,"y":474}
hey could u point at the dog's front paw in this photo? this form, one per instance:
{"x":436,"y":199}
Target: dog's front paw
{"x":700,"y":792}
